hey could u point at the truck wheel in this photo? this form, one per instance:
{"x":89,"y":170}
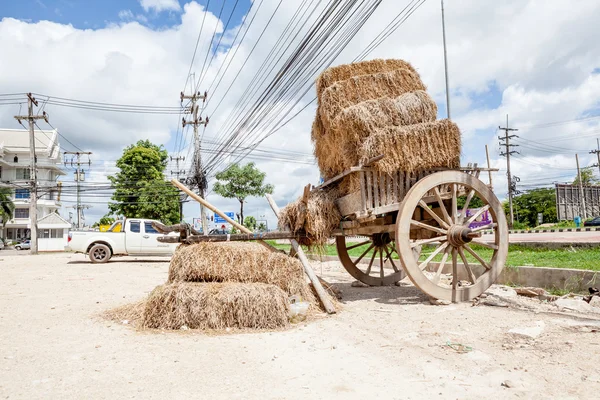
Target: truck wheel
{"x":100,"y":253}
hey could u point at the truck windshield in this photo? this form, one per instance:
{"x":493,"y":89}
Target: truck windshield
{"x":117,"y":226}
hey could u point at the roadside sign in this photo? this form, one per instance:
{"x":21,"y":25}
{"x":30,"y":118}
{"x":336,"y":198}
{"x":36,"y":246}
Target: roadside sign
{"x":540,"y":218}
{"x":220,"y":220}
{"x":484,"y":219}
{"x":197,"y":222}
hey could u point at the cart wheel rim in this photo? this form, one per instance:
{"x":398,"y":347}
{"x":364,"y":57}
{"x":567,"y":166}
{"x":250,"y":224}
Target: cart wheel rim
{"x":452,"y":238}
{"x":381,"y":266}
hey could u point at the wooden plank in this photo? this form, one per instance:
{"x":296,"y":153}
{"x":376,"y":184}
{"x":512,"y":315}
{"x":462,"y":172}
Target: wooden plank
{"x":365,"y":230}
{"x":349,"y":204}
{"x":375,"y":189}
{"x":382,"y":187}
{"x":395,"y":178}
{"x":363,"y":194}
{"x":327,"y":304}
{"x":369,"y":190}
{"x":243,"y":237}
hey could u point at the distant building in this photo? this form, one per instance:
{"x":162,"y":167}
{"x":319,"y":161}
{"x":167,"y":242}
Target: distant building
{"x":15,"y":170}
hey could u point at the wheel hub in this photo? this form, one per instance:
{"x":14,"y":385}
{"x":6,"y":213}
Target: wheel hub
{"x":459,"y":235}
{"x":381,"y":239}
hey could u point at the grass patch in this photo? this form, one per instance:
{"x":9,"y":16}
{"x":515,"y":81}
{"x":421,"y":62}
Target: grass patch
{"x":518,"y":255}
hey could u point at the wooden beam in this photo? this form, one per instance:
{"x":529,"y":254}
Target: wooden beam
{"x":329,"y":308}
{"x":206,"y":204}
{"x":242,"y":237}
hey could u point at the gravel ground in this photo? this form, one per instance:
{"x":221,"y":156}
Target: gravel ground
{"x":388,"y":342}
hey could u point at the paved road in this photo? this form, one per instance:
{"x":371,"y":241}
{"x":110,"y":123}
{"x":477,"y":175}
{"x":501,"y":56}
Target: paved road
{"x":567,"y":237}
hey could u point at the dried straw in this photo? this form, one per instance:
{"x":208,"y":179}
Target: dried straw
{"x":239,"y":262}
{"x":317,"y":219}
{"x":346,"y":71}
{"x":132,"y":313}
{"x":414,"y":147}
{"x":337,"y":149}
{"x":216,"y":306}
{"x":357,"y":89}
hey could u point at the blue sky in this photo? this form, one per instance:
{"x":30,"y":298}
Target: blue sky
{"x":86,"y":14}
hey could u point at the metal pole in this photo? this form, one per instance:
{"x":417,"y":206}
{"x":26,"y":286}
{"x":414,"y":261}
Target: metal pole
{"x":582,"y":200}
{"x":598,"y":154}
{"x":487,"y":155}
{"x":445,"y":62}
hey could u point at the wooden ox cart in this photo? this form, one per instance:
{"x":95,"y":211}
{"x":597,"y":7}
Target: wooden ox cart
{"x":427,"y":219}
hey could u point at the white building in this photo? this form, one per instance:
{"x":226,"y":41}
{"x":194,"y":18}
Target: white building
{"x":15,"y":169}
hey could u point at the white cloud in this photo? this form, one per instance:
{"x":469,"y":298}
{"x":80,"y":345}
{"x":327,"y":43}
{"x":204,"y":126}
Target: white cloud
{"x":160,"y":5}
{"x":539,"y":57}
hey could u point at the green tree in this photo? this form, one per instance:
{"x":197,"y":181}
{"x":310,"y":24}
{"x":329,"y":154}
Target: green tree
{"x":106,"y":220}
{"x":7,"y":207}
{"x":526,"y":206}
{"x":250,"y":222}
{"x":241,"y":182}
{"x":587,"y":177}
{"x":262,"y":227}
{"x":140,"y":187}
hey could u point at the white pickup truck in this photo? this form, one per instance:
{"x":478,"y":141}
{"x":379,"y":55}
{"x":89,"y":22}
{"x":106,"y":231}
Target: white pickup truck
{"x":134,"y":236}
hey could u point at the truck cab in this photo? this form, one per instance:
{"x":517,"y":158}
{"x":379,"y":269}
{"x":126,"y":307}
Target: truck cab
{"x":131,"y":236}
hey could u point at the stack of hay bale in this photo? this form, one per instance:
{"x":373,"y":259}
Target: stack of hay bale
{"x":224,"y":285}
{"x":371,"y":108}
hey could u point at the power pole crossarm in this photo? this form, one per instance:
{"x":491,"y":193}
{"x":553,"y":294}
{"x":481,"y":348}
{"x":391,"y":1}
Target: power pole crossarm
{"x":198,"y":175}
{"x":79,"y":178}
{"x":507,"y":153}
{"x":31,"y":101}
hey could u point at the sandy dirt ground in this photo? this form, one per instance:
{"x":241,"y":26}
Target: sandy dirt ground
{"x":388,"y":342}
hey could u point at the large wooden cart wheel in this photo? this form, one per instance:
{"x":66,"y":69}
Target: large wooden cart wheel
{"x":378,"y":267}
{"x":430,"y":215}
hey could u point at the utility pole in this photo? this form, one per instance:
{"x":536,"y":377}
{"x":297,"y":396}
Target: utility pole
{"x":79,"y":177}
{"x":581,"y":193}
{"x":597,"y":152}
{"x":198,"y":177}
{"x":177,"y":172}
{"x":31,"y":101}
{"x":507,"y":152}
{"x":445,"y":62}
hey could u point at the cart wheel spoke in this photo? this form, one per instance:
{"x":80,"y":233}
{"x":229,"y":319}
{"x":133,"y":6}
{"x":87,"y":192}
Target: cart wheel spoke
{"x":485,"y":227}
{"x":477,"y":214}
{"x":428,"y":227}
{"x":381,"y":262}
{"x":358,"y":245}
{"x":438,"y":197}
{"x":454,"y":272}
{"x":389,"y":254}
{"x":438,"y":273}
{"x":425,"y":263}
{"x":425,"y":241}
{"x":363,"y":254}
{"x":454,"y":203}
{"x":463,"y":213}
{"x":478,"y":257}
{"x":433,"y":215}
{"x":368,"y":272}
{"x":468,"y":268}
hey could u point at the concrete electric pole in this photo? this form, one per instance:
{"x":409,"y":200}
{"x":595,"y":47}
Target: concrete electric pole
{"x":597,"y":152}
{"x":507,"y":152}
{"x":79,"y":177}
{"x":198,"y":177}
{"x":581,"y":192}
{"x":31,"y":101}
{"x":176,"y":174}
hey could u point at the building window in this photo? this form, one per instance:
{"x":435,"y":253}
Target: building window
{"x":44,"y":233}
{"x":56,"y":234}
{"x":22,"y":194}
{"x":21,"y":212}
{"x":23,"y":173}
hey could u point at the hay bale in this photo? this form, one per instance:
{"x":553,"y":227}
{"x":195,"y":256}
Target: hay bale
{"x":346,"y":71}
{"x":243,"y":262}
{"x":216,"y":306}
{"x":357,"y":89}
{"x":318,"y":219}
{"x":336,"y":150}
{"x":132,"y":313}
{"x":358,"y":121}
{"x":414,"y":147}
